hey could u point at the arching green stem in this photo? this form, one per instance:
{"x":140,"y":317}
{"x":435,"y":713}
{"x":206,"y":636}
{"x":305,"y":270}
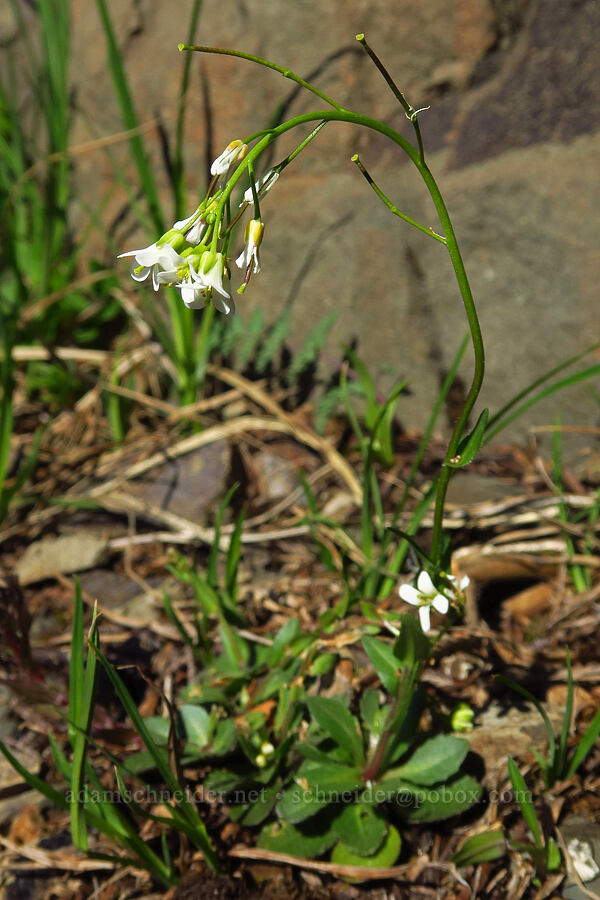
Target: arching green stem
{"x":339,"y":114}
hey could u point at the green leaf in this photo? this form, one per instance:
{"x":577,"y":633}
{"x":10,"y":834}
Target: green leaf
{"x":360,"y":829}
{"x":440,"y":801}
{"x":287,"y":633}
{"x":340,"y":724}
{"x":262,"y":806}
{"x":469,"y":446}
{"x":483,"y":847}
{"x":435,"y":760}
{"x":386,"y":855}
{"x":385,"y":662}
{"x":323,"y":664}
{"x":371,"y":712}
{"x":282,"y":837}
{"x":197,"y":723}
{"x":318,"y":787}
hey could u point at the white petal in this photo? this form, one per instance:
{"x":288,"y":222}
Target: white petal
{"x":192,"y":297}
{"x":128,"y":253}
{"x":409,"y":594}
{"x":241,"y":261}
{"x":194,"y":235}
{"x":425,"y":584}
{"x":181,"y":224}
{"x":465,"y":581}
{"x":441,"y":603}
{"x":222,"y":305}
{"x":424,"y":618}
{"x":142,"y":274}
{"x":167,"y":276}
{"x":263,"y":186}
{"x":147,"y":256}
{"x":168,"y":258}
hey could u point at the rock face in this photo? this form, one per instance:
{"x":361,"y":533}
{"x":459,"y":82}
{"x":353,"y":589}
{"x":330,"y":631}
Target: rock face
{"x":512,"y":137}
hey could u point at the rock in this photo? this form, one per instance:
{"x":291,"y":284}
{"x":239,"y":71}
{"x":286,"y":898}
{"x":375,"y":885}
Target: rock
{"x":582,"y":838}
{"x":63,"y":555}
{"x":189,"y":485}
{"x":499,"y":732}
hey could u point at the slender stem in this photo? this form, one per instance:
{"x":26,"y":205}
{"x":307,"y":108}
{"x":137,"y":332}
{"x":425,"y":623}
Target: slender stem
{"x":475,"y":329}
{"x":429,"y":231}
{"x":287,"y":73}
{"x":411,"y":112}
{"x":394,"y":720}
{"x":416,"y":155}
{"x":341,"y":115}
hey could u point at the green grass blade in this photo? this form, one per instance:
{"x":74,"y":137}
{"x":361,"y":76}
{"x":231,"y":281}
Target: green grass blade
{"x":200,"y":838}
{"x":561,"y":756}
{"x":233,"y":558}
{"x":76,"y":662}
{"x":585,"y":745}
{"x":590,"y":372}
{"x":83,"y":722}
{"x":538,"y":382}
{"x":523,"y":795}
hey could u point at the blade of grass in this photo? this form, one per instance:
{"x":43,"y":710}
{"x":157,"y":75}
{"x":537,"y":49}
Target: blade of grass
{"x":188,"y":810}
{"x":590,"y":372}
{"x":561,"y":756}
{"x":585,"y":745}
{"x":83,"y":721}
{"x":522,"y":795}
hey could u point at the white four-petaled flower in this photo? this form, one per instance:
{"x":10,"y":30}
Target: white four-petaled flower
{"x":153,"y":259}
{"x":207,"y":283}
{"x":426,"y":595}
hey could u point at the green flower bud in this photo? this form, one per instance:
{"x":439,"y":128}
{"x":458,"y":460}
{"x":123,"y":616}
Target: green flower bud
{"x":461,"y":718}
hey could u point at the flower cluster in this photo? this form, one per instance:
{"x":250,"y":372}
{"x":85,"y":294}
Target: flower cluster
{"x":425,"y":596}
{"x":192,"y":256}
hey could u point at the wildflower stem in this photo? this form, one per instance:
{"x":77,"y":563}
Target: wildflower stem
{"x":338,"y":113}
{"x":287,"y":73}
{"x":429,"y":231}
{"x":410,"y":111}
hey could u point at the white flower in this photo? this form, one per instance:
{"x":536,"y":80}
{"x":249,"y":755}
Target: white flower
{"x":207,"y":284}
{"x":248,"y":258}
{"x":233,"y":153}
{"x":459,"y":586}
{"x":263,"y":186}
{"x":154,"y":259}
{"x":425,"y":595}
